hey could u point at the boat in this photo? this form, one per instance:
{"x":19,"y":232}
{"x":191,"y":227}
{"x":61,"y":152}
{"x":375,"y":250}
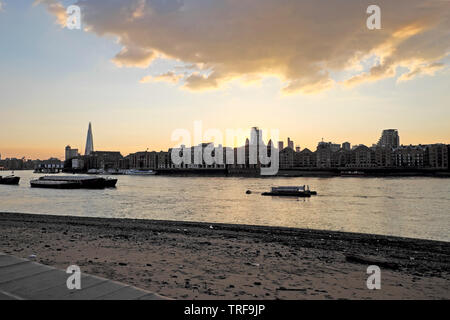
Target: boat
{"x":352,"y":174}
{"x":96,"y":171}
{"x":9,"y":180}
{"x":110,"y":182}
{"x":47,"y":170}
{"x":38,"y":183}
{"x":134,"y":172}
{"x":290,"y":191}
{"x":86,"y":182}
{"x":114,"y":171}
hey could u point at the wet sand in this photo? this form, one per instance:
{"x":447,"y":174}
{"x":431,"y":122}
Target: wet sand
{"x":185,"y":260}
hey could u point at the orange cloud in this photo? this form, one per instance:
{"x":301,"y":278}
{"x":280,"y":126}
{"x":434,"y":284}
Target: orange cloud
{"x":422,"y":69}
{"x":134,"y":57}
{"x":406,"y":47}
{"x":169,"y":77}
{"x":302,"y":42}
{"x":55,"y":8}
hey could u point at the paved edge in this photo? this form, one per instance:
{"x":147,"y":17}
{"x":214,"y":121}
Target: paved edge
{"x":15,"y":284}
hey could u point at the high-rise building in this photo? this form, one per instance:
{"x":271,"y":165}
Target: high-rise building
{"x":333,"y":147}
{"x":280,"y":145}
{"x":89,"y":142}
{"x":255,"y":136}
{"x":71,"y":153}
{"x":346,"y":146}
{"x":389,"y":139}
{"x":437,"y":156}
{"x":290,"y":143}
{"x":297,"y":148}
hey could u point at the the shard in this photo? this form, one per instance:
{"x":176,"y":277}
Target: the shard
{"x":89,"y":142}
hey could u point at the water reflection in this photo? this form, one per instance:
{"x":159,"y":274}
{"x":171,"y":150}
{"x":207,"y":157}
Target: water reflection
{"x":411,"y":207}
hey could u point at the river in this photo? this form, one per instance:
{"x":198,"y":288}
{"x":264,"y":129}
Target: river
{"x":417,"y":207}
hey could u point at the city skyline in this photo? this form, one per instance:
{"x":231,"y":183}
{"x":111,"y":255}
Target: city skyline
{"x":206,"y":151}
{"x":282,"y":142}
{"x":56,"y":80}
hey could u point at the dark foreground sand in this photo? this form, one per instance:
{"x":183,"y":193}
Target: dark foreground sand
{"x":216,"y":261}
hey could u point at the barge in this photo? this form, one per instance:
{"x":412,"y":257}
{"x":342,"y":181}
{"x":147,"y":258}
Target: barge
{"x":135,"y":172}
{"x":73,"y":182}
{"x":54,"y":184}
{"x":352,"y":174}
{"x":290,"y":191}
{"x":9,"y":180}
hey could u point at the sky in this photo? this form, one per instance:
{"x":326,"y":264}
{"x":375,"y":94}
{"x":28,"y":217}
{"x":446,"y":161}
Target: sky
{"x":141,"y":69}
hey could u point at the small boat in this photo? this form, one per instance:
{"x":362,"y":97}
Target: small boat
{"x":110,"y":182}
{"x":96,"y":171}
{"x":290,"y":191}
{"x":352,"y":174}
{"x":10,"y":180}
{"x":115,"y":171}
{"x":38,"y":183}
{"x":86,"y":182}
{"x":134,"y":172}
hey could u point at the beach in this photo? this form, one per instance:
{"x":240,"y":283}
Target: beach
{"x":190,"y":260}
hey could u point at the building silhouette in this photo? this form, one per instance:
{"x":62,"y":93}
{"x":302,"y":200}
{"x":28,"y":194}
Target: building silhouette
{"x":70,"y":153}
{"x":346,"y":146}
{"x":386,"y":154}
{"x":280,"y":145}
{"x":290,"y":143}
{"x":89,"y":142}
{"x":389,"y":139}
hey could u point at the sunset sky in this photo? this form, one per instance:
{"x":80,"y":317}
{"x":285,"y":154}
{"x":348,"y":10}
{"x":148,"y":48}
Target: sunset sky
{"x":138,"y":70}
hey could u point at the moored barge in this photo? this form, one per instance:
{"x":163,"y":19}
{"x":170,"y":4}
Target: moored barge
{"x":48,"y":184}
{"x":290,"y":191}
{"x":10,"y":180}
{"x":73,"y":182}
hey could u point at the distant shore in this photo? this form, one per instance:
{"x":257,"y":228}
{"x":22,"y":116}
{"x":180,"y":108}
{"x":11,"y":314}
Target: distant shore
{"x":187,"y":260}
{"x":312,"y":172}
{"x":294,"y":172}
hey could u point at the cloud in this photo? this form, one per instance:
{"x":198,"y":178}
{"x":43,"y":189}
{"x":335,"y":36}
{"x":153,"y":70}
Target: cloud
{"x":408,"y":47}
{"x":1,"y":6}
{"x":302,"y":42}
{"x":133,"y":56}
{"x":169,"y":77}
{"x":56,"y":9}
{"x":421,"y":69}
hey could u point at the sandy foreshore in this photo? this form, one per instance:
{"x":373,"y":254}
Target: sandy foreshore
{"x":184,"y":260}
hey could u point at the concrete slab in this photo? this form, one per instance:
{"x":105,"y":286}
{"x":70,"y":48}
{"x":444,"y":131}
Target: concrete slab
{"x":35,"y":283}
{"x":152,"y":296}
{"x":60,"y":291}
{"x":125,"y":293}
{"x":21,"y":270}
{"x":7,"y":296}
{"x":94,"y":292}
{"x":21,"y":279}
{"x":9,"y":260}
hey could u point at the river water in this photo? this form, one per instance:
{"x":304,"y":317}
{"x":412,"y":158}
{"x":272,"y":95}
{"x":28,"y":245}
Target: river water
{"x":409,"y":207}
